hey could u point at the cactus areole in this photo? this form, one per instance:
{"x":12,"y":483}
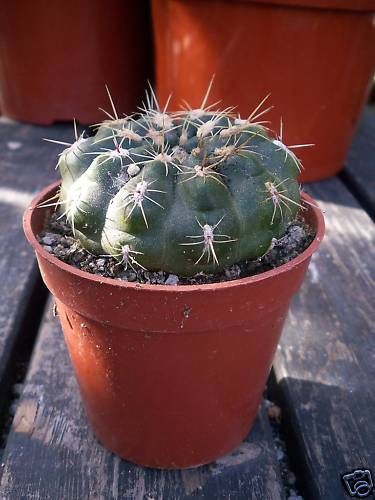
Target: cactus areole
{"x":185,"y":192}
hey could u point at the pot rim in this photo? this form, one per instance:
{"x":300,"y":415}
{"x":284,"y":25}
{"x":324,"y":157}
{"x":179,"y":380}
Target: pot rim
{"x":306,"y":254}
{"x":340,"y":5}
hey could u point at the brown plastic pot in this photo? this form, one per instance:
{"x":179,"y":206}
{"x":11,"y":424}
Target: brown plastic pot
{"x":170,"y":376}
{"x":315,"y":57}
{"x":57,"y":56}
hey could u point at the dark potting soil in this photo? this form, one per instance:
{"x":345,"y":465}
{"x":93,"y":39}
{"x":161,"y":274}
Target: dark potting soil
{"x":57,"y":239}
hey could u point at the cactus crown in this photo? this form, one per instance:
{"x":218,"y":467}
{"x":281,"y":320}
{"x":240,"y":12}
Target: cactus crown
{"x":184,"y":192}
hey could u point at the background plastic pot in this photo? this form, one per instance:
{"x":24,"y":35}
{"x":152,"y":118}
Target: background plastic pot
{"x":171,"y":376}
{"x":57,"y":56}
{"x":316,"y":57}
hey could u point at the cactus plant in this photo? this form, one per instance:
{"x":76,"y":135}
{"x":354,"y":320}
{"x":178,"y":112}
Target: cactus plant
{"x":184,"y":192}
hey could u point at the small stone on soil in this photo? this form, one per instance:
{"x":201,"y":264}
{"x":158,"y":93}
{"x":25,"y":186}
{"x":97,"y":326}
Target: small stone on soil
{"x":48,"y":239}
{"x":172,"y":280}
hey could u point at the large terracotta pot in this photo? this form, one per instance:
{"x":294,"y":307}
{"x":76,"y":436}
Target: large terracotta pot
{"x":316,"y":57}
{"x":170,"y":376}
{"x":57,"y":56}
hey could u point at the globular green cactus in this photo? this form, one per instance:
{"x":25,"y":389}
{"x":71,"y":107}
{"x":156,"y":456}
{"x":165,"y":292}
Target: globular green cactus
{"x":185,"y":192}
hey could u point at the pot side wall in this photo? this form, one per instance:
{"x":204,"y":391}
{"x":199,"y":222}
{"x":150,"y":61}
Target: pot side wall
{"x":171,"y":400}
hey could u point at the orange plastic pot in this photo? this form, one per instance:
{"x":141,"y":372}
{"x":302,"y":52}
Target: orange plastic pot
{"x":57,"y":56}
{"x":315,"y":57}
{"x":170,"y":376}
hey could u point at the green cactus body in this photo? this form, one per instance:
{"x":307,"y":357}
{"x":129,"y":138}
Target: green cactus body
{"x":184,"y":193}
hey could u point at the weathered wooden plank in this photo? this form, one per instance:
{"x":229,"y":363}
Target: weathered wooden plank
{"x":52,"y":454}
{"x":359,"y":172}
{"x":325,"y":362}
{"x":26,"y":164}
